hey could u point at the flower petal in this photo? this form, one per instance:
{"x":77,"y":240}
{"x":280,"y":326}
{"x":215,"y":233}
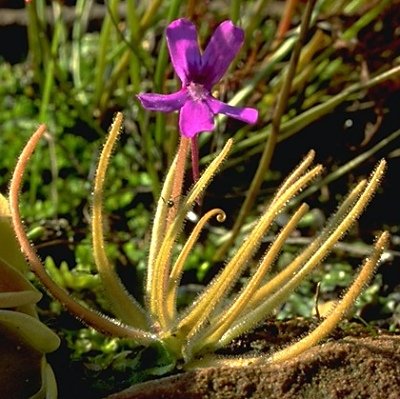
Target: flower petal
{"x":246,"y":114}
{"x":195,"y":117}
{"x":222,"y":48}
{"x":163,"y":102}
{"x":184,"y":49}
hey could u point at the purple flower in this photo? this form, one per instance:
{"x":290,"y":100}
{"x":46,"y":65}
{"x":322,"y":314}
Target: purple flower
{"x":198,"y":74}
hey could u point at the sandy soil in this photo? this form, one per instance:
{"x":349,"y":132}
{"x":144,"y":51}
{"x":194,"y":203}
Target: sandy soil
{"x":352,"y":367}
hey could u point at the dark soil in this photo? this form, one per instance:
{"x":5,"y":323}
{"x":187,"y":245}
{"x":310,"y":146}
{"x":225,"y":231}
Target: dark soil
{"x":363,"y":365}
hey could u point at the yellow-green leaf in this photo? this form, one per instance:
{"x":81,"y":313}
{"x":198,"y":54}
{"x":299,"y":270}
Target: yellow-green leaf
{"x":9,"y":249}
{"x":30,"y":331}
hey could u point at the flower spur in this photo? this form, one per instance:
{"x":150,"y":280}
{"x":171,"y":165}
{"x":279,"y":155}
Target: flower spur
{"x":198,"y":74}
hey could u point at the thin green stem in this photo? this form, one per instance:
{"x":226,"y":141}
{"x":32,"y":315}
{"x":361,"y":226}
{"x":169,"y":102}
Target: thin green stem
{"x":150,"y":14}
{"x":347,"y":167}
{"x":161,"y":66}
{"x":268,"y":152}
{"x":35,"y":50}
{"x":133,"y":23}
{"x":48,"y":85}
{"x":159,"y":76}
{"x":235,"y":11}
{"x":131,"y":58}
{"x":116,"y":75}
{"x":82,"y":12}
{"x":364,"y":20}
{"x":49,"y":76}
{"x":104,"y":45}
{"x":162,"y":59}
{"x":255,"y":19}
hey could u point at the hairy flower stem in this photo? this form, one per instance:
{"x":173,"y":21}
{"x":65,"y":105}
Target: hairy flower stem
{"x":88,"y":316}
{"x":269,"y":148}
{"x":179,"y":177}
{"x":158,"y":286}
{"x":194,"y":150}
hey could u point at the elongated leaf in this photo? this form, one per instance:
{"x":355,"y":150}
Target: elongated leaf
{"x":30,"y":330}
{"x":19,"y":298}
{"x":9,"y":248}
{"x":11,"y":279}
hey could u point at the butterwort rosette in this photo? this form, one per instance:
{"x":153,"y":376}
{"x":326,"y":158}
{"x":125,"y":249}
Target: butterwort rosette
{"x":199,"y":72}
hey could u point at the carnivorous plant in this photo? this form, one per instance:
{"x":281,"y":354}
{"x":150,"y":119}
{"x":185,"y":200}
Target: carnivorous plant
{"x":219,"y":314}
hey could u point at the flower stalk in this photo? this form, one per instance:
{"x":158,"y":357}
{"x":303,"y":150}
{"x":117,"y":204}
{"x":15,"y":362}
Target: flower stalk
{"x":163,"y":260}
{"x":179,"y":177}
